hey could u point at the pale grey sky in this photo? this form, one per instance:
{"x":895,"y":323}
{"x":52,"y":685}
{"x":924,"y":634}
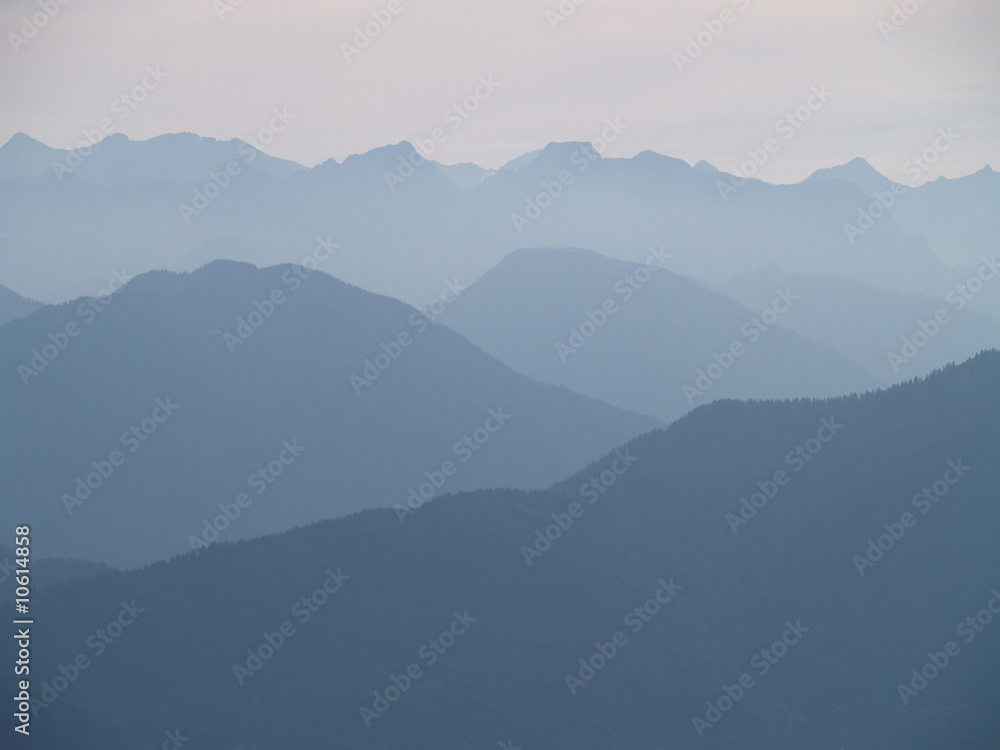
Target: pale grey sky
{"x":608,"y":59}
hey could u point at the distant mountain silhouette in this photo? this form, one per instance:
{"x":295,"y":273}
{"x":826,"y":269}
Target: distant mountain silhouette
{"x":958,"y":217}
{"x":117,"y":160}
{"x":875,"y":327}
{"x":23,"y":156}
{"x":857,"y":172}
{"x":200,"y":382}
{"x":542,"y":312}
{"x":170,"y":203}
{"x":642,"y":612}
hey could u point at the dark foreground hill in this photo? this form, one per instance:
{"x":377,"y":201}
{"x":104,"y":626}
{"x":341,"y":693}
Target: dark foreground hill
{"x":13,"y":305}
{"x":767,"y":575}
{"x":44,"y":571}
{"x":232,"y":402}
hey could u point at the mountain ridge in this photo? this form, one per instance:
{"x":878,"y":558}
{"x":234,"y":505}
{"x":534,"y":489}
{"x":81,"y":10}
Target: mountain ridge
{"x":252,"y":361}
{"x":661,"y":523}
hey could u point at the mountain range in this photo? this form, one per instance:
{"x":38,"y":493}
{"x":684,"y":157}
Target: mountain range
{"x":875,"y":327}
{"x":759,"y":574}
{"x":178,"y":201}
{"x":579,"y":452}
{"x":233,"y":401}
{"x":641,"y":337}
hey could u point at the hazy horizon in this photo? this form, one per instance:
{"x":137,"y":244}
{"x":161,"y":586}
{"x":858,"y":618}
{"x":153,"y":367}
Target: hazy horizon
{"x":515,"y":157}
{"x":892,"y":85}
